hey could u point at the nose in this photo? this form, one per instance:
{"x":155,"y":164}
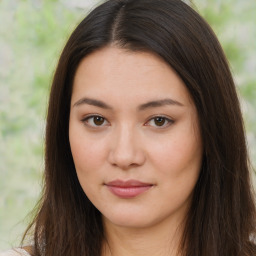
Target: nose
{"x":126,"y":150}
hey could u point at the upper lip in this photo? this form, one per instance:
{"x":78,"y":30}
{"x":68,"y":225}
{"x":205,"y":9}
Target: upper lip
{"x":128,"y":183}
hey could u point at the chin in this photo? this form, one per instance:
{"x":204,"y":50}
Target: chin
{"x":130,"y":220}
{"x":130,"y":223}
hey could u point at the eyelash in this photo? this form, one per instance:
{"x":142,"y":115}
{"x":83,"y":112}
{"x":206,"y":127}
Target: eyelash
{"x":167,"y":121}
{"x":87,"y":118}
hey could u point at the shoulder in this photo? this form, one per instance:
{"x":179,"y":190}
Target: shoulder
{"x":15,"y":252}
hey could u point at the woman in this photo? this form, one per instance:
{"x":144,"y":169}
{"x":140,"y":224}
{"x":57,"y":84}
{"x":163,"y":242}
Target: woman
{"x":145,"y":146}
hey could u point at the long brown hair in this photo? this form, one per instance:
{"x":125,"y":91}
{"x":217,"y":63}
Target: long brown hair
{"x":221,"y":220}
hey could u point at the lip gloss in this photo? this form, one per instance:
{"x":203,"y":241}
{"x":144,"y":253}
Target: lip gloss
{"x":128,"y":189}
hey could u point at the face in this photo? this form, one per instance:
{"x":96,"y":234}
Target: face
{"x":134,"y":137}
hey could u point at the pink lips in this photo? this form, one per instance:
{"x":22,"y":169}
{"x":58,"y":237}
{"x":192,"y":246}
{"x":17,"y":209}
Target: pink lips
{"x":128,"y":189}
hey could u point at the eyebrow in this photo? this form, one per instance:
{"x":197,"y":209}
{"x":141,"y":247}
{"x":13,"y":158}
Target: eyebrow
{"x":150,"y":104}
{"x":159,"y":103}
{"x":92,"y":102}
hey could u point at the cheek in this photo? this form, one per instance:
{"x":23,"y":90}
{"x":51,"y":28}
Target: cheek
{"x":87,"y":156}
{"x":88,"y":152}
{"x":178,"y":155}
{"x":178,"y":167}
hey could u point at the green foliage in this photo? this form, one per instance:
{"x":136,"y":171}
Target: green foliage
{"x":31,"y":38}
{"x":234,"y":23}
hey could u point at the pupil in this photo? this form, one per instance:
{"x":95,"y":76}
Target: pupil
{"x":159,"y":121}
{"x":98,"y":120}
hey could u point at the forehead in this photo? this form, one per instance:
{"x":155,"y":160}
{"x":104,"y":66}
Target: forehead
{"x":113,"y":72}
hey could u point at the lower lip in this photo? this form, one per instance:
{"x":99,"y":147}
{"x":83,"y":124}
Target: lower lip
{"x":128,"y":192}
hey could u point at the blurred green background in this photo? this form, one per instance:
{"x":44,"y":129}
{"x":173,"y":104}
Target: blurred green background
{"x":32,"y":35}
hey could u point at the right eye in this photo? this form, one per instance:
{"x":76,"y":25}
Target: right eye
{"x":95,"y":121}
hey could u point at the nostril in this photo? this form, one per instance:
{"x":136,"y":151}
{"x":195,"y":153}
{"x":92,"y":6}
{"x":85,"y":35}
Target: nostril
{"x":126,"y":159}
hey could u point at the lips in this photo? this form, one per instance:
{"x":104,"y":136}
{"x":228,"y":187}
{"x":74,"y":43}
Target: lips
{"x":129,"y":188}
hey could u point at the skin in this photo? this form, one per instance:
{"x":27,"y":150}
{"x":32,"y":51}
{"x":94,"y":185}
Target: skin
{"x":128,"y":142}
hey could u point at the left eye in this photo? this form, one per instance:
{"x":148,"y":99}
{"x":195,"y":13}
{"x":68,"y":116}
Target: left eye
{"x":159,"y":121}
{"x":95,"y":121}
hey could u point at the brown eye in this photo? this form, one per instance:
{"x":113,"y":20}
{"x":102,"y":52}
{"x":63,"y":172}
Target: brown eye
{"x":98,"y":120}
{"x":95,"y":121}
{"x":159,"y":121}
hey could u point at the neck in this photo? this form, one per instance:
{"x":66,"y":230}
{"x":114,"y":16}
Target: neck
{"x":158,"y":240}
